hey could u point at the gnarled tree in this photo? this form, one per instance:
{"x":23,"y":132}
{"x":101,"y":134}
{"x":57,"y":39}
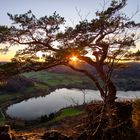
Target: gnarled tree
{"x":98,"y":43}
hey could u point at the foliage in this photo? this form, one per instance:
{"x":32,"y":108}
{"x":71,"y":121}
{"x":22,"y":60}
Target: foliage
{"x":44,"y":118}
{"x":134,"y":55}
{"x":8,"y":69}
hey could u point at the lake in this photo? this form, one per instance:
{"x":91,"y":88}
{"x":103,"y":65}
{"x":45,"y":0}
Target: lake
{"x":33,"y":108}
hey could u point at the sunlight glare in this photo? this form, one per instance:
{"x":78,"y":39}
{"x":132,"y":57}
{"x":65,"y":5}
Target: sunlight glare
{"x":39,"y":54}
{"x":74,"y":59}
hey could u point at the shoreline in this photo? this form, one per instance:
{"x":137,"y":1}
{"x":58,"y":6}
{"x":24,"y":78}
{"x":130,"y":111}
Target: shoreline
{"x":41,"y":93}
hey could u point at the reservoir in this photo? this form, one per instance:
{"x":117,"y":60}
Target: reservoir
{"x":35,"y":107}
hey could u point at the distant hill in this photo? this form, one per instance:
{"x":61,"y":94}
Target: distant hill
{"x":129,"y":69}
{"x":125,"y":77}
{"x":65,"y":69}
{"x":62,"y":69}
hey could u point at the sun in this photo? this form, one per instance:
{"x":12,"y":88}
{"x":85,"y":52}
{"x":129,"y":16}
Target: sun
{"x":74,"y":58}
{"x":39,"y":54}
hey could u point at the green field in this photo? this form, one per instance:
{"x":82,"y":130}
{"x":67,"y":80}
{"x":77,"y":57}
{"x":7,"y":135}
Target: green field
{"x":67,"y":112}
{"x":55,"y":79}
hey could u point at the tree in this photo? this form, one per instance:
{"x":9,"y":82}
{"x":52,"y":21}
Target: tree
{"x":133,"y":55}
{"x":106,"y":38}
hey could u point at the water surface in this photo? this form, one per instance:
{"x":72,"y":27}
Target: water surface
{"x":35,"y":107}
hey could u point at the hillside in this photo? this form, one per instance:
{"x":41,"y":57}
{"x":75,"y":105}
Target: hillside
{"x":125,"y":77}
{"x":26,"y":85}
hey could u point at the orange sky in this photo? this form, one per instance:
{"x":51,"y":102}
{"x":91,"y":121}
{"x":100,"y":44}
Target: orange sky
{"x":65,"y":8}
{"x":11,"y":53}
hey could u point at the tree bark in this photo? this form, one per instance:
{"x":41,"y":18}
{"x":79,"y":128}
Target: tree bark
{"x":108,"y":92}
{"x":109,"y":97}
{"x":111,"y":92}
{"x":109,"y":87}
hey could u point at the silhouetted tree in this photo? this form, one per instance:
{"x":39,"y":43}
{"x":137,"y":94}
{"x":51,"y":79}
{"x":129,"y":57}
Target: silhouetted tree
{"x":106,"y":38}
{"x":133,"y":55}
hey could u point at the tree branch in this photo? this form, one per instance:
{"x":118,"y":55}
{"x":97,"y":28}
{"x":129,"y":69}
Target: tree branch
{"x":35,"y":42}
{"x":90,"y":76}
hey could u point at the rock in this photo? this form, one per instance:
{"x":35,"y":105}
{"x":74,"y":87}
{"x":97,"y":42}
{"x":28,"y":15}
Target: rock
{"x":4,"y":133}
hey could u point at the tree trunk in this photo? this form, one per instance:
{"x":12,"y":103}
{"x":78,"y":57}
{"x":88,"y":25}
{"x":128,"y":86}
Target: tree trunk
{"x":109,"y":88}
{"x":110,"y":109}
{"x":109,"y":97}
{"x":111,"y":92}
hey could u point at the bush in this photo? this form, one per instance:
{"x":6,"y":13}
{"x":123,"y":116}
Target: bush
{"x":44,"y":118}
{"x":51,"y":116}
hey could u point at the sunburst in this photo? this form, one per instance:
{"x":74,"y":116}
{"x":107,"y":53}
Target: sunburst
{"x":74,"y":59}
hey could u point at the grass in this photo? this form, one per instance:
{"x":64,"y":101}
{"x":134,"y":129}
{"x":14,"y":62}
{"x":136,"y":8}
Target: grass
{"x":6,"y":97}
{"x":68,"y":112}
{"x":53,"y":79}
{"x":63,"y":113}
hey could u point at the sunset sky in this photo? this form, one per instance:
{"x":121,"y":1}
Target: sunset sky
{"x":66,"y":8}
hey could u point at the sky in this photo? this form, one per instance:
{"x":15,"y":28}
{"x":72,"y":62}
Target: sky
{"x":66,"y":8}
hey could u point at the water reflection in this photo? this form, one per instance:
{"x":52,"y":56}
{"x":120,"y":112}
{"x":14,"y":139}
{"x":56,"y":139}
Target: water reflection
{"x":36,"y":107}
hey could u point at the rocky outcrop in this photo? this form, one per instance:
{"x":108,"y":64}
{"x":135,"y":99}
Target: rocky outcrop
{"x":4,"y":133}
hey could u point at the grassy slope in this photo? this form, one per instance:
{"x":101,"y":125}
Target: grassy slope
{"x":55,"y":79}
{"x":62,"y":114}
{"x":44,"y":79}
{"x":68,"y":112}
{"x":5,"y":98}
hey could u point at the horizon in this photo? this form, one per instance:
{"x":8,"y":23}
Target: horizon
{"x":67,"y":9}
